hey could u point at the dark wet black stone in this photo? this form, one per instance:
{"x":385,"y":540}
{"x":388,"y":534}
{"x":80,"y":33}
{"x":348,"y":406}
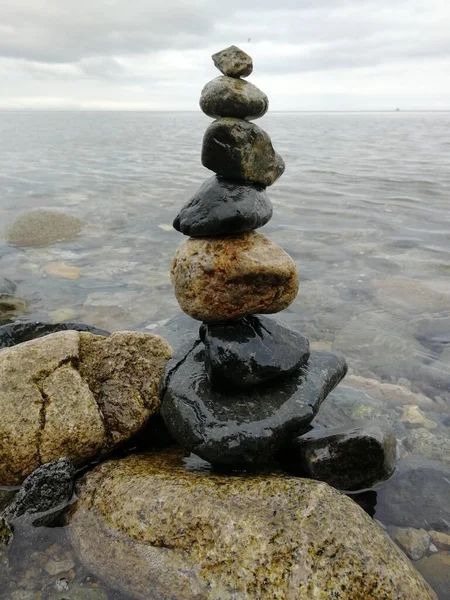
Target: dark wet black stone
{"x":245,"y":427}
{"x":44,"y":494}
{"x":19,"y":332}
{"x":224,"y":207}
{"x":347,"y":459}
{"x":250,"y":351}
{"x":418,"y":495}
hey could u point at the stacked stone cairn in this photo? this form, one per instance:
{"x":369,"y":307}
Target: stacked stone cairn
{"x":249,"y":385}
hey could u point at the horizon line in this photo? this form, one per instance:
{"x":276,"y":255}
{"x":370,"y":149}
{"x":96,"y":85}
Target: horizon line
{"x":141,"y":110}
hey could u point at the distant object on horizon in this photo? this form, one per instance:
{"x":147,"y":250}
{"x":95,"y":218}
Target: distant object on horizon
{"x":397,"y":110}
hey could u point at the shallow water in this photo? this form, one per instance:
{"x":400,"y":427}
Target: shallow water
{"x":363,"y":208}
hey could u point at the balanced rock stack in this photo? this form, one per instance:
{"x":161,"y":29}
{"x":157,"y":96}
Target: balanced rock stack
{"x":248,"y":385}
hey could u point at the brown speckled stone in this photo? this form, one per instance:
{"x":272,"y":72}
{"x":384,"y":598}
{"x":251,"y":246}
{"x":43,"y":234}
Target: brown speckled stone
{"x":74,"y":394}
{"x":149,"y":524}
{"x":225,"y":278}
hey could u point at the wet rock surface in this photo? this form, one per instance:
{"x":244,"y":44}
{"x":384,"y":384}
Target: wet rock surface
{"x":225,"y":278}
{"x":236,"y":149}
{"x":233,"y":61}
{"x":11,"y":307}
{"x":243,"y":427}
{"x":417,"y":495}
{"x":250,"y":351}
{"x":230,"y":97}
{"x":346,"y":459}
{"x":74,"y":394}
{"x":20,"y":332}
{"x":7,"y":286}
{"x":413,"y":542}
{"x":168,"y":524}
{"x":42,"y":228}
{"x":223,"y":207}
{"x":44,"y":494}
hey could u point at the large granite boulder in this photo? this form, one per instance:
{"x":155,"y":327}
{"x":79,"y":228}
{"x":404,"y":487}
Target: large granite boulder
{"x":240,"y":150}
{"x":223,"y":207}
{"x":160,"y":526}
{"x":75,"y":394}
{"x":225,"y":278}
{"x":231,"y":97}
{"x":242,"y":426}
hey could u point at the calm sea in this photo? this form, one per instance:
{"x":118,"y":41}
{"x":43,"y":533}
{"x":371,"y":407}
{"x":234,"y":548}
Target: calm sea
{"x":363,"y":208}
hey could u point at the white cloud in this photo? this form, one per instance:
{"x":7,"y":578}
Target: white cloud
{"x":130,"y":54}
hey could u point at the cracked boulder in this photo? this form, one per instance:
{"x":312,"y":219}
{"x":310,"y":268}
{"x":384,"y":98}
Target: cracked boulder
{"x":169,"y":525}
{"x":75,"y":394}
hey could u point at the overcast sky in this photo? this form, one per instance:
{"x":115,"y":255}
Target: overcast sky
{"x":148,"y":55}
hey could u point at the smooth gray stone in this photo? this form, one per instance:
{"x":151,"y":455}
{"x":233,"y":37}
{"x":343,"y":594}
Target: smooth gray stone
{"x":223,"y":207}
{"x":347,"y":459}
{"x":418,"y":495}
{"x":248,"y":352}
{"x":230,"y":97}
{"x":237,"y":149}
{"x":44,"y":494}
{"x":233,"y":61}
{"x":245,"y":427}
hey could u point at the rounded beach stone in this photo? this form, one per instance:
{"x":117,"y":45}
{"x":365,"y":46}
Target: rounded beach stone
{"x":252,"y":350}
{"x":168,"y":524}
{"x":75,"y":394}
{"x":42,"y":228}
{"x":225,"y":278}
{"x":233,"y":61}
{"x":223,"y":207}
{"x":237,"y":149}
{"x":230,"y":97}
{"x":348,"y":459}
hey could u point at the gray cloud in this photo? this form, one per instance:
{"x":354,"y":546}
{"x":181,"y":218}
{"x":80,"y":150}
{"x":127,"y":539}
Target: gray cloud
{"x":143,"y":43}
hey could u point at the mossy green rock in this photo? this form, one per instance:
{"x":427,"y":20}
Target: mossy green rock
{"x":237,"y":149}
{"x":163,"y":526}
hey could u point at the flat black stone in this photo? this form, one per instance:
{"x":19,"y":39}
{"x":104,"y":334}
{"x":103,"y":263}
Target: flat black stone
{"x":348,"y":459}
{"x":19,"y":332}
{"x":245,"y":427}
{"x":224,"y":207}
{"x":250,"y":351}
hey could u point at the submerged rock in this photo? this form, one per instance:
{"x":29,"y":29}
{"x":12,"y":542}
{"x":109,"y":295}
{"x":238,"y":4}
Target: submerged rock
{"x":155,"y":522}
{"x":11,"y":307}
{"x":20,"y":332}
{"x":240,"y":150}
{"x":348,"y":459}
{"x":436,"y":569}
{"x":42,"y":228}
{"x":223,"y":207}
{"x":250,"y":351}
{"x":413,"y":542}
{"x":44,"y":493}
{"x":233,"y":61}
{"x":230,"y":97}
{"x":418,"y":495}
{"x":75,"y":394}
{"x":222,"y":279}
{"x":248,"y":426}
